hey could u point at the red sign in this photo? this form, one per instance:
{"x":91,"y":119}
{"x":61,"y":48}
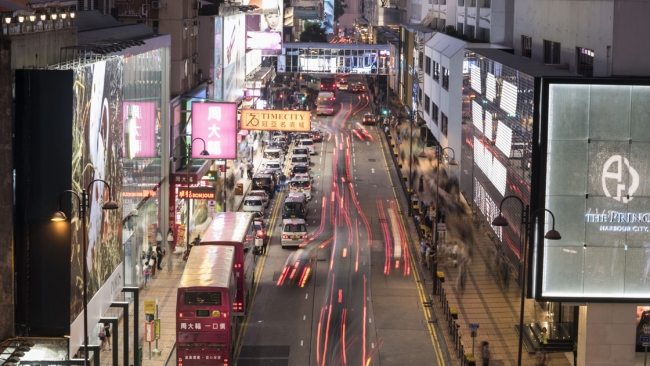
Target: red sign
{"x":216,"y":123}
{"x":148,"y":332}
{"x":205,"y":193}
{"x":139,"y":128}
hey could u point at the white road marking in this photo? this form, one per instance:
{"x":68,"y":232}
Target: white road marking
{"x":301,"y":343}
{"x":306,"y":296}
{"x":372,"y":170}
{"x":373,"y":345}
{"x":304,"y":317}
{"x":369,"y":320}
{"x":368,"y":143}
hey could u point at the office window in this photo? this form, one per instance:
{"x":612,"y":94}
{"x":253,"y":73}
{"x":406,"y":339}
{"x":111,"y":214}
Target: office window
{"x":427,"y":101}
{"x":419,"y":95}
{"x":461,"y":2}
{"x":585,"y":61}
{"x":445,"y":78}
{"x":436,"y":71}
{"x":526,"y":46}
{"x":444,"y":124}
{"x":434,"y":113}
{"x":485,"y":3}
{"x":551,"y":52}
{"x":427,"y":65}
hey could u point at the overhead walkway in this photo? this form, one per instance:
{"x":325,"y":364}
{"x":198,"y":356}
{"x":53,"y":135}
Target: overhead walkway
{"x":326,"y":58}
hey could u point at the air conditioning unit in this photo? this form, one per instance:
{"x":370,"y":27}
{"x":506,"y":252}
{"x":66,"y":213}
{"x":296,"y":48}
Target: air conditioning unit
{"x":156,"y":4}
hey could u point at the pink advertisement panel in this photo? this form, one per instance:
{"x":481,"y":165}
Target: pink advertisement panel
{"x":216,"y":123}
{"x":139,"y":130}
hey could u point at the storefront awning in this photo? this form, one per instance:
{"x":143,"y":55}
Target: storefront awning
{"x":198,"y":169}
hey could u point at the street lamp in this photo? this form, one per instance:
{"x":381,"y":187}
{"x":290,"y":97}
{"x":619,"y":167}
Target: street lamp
{"x":526,"y":221}
{"x":453,"y":161}
{"x":84,"y":206}
{"x":204,"y":152}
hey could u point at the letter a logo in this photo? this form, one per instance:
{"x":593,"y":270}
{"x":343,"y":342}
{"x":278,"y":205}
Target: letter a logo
{"x":617,"y":174}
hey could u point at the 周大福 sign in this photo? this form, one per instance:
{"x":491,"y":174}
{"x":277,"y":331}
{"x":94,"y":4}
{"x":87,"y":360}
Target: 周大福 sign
{"x":271,"y":120}
{"x":203,"y":193}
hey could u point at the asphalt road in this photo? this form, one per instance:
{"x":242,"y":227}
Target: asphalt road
{"x":361,"y":304}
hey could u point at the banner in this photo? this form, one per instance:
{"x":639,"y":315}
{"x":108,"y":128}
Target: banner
{"x":275,"y":120}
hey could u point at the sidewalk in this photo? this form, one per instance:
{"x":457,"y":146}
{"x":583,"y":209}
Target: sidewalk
{"x":483,"y":298}
{"x":163,"y":287}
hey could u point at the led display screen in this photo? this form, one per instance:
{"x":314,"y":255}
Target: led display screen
{"x":260,"y":36}
{"x":477,"y":115}
{"x":509,"y":98}
{"x":476,"y":78}
{"x":218,"y":58}
{"x":504,"y":138}
{"x":595,"y":147}
{"x":216,"y":124}
{"x":139,"y":129}
{"x":490,"y":87}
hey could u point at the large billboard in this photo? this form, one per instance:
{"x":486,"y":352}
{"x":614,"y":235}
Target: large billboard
{"x":233,"y":56}
{"x":264,"y":31}
{"x":275,"y":120}
{"x":139,"y":130}
{"x":216,"y":124}
{"x":97,"y":133}
{"x":218,"y":58}
{"x":594,"y":161}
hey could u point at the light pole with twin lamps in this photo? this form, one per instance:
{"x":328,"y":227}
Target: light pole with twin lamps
{"x":526,"y":221}
{"x":83,"y":207}
{"x":203,"y":152}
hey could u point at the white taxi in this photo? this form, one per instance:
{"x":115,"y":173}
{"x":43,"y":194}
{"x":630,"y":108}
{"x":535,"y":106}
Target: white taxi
{"x":294,"y":232}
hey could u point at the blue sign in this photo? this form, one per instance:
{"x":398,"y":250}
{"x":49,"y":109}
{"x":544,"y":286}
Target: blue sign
{"x":644,"y":339}
{"x":475,"y":327}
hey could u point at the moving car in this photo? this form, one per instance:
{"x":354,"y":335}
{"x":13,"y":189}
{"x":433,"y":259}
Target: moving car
{"x":297,"y":169}
{"x":358,"y":88}
{"x":294,"y":232}
{"x":343,"y":85}
{"x":298,"y":268}
{"x":369,"y":119}
{"x":316,"y":135}
{"x":261,"y":193}
{"x":253,"y":204}
{"x":295,"y":206}
{"x":309,"y":144}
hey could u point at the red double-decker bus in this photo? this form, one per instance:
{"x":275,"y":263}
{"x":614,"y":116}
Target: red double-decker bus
{"x":235,"y":229}
{"x":205,"y":321}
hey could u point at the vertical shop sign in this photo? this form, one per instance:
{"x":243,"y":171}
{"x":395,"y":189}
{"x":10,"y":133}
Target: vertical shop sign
{"x":216,"y":124}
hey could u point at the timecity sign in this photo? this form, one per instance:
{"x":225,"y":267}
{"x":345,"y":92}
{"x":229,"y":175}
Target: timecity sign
{"x":205,"y":193}
{"x":259,"y":119}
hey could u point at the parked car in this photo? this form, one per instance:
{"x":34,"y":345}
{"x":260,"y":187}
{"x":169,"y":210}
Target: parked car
{"x":261,"y":193}
{"x":253,"y":204}
{"x":369,"y":119}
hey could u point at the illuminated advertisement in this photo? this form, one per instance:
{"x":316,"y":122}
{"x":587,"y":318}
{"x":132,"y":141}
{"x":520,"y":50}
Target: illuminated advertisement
{"x":139,"y":129}
{"x":599,"y":198}
{"x":642,"y":320}
{"x":216,"y":123}
{"x":97,"y":140}
{"x":218,"y":59}
{"x":260,"y":36}
{"x":204,"y":193}
{"x":275,"y":120}
{"x":233,"y":56}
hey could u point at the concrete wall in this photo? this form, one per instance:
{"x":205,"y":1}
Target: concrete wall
{"x":40,"y":49}
{"x":606,"y":334}
{"x":630,"y":41}
{"x":583,"y":23}
{"x":6,"y":194}
{"x":501,"y":21}
{"x":184,"y":43}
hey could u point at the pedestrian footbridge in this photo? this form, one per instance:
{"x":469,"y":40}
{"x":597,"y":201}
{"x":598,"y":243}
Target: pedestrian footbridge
{"x":326,"y":58}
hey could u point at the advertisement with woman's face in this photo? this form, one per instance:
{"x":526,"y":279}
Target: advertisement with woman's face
{"x":264,"y":28}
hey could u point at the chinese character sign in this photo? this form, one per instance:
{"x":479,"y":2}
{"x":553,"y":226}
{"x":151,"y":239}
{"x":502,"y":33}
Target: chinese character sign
{"x":216,"y":123}
{"x":139,"y":130}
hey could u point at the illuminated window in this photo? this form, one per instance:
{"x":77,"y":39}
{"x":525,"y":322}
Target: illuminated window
{"x":585,"y":61}
{"x":436,"y":71}
{"x":445,"y":78}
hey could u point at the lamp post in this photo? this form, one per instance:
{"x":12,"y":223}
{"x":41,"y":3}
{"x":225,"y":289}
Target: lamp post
{"x":204,"y":152}
{"x":83,"y":206}
{"x":526,"y":221}
{"x":453,"y":161}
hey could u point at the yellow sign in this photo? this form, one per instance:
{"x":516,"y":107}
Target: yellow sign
{"x":275,"y":120}
{"x":156,"y":327}
{"x":150,"y":307}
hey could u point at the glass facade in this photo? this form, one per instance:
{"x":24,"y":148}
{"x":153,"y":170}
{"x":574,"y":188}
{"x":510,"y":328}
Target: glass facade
{"x":497,"y":135}
{"x":597,"y":159}
{"x":145,"y":75}
{"x":349,"y":60}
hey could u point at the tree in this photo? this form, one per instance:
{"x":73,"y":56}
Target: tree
{"x":313,"y":32}
{"x":339,"y":9}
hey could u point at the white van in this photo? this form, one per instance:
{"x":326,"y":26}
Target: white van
{"x":309,"y":144}
{"x":301,"y":185}
{"x":294,"y":232}
{"x":299,"y":159}
{"x":254,"y":204}
{"x":273,"y":155}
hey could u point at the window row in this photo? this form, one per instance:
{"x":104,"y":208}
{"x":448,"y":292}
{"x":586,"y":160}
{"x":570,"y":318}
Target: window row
{"x":553,"y":55}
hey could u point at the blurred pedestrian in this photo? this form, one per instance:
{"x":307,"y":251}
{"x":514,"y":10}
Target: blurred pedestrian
{"x":486,"y":354}
{"x":241,"y":169}
{"x":159,"y":255}
{"x":249,"y":169}
{"x":283,"y":181}
{"x":423,"y":250}
{"x":443,"y":214}
{"x":106,"y":342}
{"x":421,"y":187}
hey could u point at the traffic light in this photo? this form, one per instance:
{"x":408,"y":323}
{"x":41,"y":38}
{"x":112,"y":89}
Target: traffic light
{"x":384,"y":112}
{"x":302,"y":98}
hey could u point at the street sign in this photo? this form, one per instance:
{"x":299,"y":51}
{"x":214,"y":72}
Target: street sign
{"x":644,"y":339}
{"x":646,"y":329}
{"x":148,"y":332}
{"x":150,"y":307}
{"x":473,"y":326}
{"x":156,"y":329}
